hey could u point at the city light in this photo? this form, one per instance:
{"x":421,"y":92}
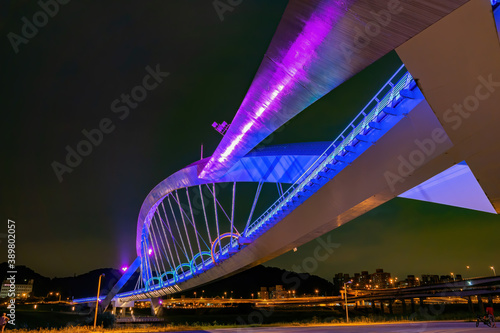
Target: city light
{"x":150,"y":251}
{"x":124,"y":268}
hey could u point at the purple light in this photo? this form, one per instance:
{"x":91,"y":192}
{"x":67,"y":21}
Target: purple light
{"x":271,"y":90}
{"x":161,"y":301}
{"x":150,"y":251}
{"x":124,"y":268}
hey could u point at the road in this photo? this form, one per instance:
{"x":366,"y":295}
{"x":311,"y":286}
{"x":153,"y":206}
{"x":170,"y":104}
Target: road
{"x":430,"y":327}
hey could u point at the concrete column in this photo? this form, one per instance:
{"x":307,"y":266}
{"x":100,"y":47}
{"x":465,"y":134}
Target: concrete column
{"x":480,"y":304}
{"x":412,"y":305}
{"x":390,"y":307}
{"x":382,"y":306}
{"x":373,"y":305}
{"x":403,"y":305}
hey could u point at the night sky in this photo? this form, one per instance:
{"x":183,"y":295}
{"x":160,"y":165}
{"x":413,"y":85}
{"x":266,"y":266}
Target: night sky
{"x":64,"y":80}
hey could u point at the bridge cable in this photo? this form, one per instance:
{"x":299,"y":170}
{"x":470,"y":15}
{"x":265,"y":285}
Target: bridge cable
{"x":216,"y":219}
{"x":155,"y":261}
{"x":161,"y":238}
{"x":158,"y":235}
{"x":194,"y":226}
{"x":257,"y":194}
{"x":191,"y":222}
{"x":166,"y":237}
{"x":280,"y":189}
{"x":205,"y":213}
{"x":222,"y":208}
{"x":232,"y":216}
{"x":184,"y":223}
{"x":146,"y":262}
{"x":172,"y":236}
{"x":155,"y":239}
{"x":177,"y":226}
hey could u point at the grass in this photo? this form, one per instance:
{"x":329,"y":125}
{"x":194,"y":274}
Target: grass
{"x":362,"y":320}
{"x":47,"y":320}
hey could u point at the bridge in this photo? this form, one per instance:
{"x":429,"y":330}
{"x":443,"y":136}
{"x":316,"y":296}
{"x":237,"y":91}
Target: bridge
{"x":430,"y":133}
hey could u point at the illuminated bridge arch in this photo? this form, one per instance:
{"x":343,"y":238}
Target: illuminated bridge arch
{"x":184,"y":218}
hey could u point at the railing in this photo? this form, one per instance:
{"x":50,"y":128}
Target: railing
{"x":389,"y":91}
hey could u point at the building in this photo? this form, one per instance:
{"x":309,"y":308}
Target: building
{"x":381,"y":279}
{"x":411,"y":281}
{"x":430,"y":279}
{"x":338,"y":282}
{"x":263,"y":293}
{"x":364,"y":280}
{"x":278,"y":292}
{"x":22,"y":290}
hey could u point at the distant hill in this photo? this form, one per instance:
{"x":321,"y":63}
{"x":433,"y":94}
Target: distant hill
{"x":250,"y":281}
{"x":242,"y":284}
{"x":83,"y":285}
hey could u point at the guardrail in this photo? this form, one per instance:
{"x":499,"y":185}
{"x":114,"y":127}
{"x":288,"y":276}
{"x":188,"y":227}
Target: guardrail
{"x":390,"y":91}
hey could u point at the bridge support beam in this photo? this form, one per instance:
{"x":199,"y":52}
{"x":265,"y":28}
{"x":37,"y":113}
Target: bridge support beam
{"x":480,"y":304}
{"x":156,"y":307}
{"x":125,"y":277}
{"x":403,"y":305}
{"x":412,"y":305}
{"x":470,"y":304}
{"x":390,"y":307}
{"x":382,"y":307}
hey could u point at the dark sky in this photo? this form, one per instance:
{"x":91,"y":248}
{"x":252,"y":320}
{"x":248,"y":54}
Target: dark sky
{"x":64,"y":79}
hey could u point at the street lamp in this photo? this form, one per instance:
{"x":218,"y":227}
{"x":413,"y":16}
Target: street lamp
{"x":345,"y":293}
{"x":97,"y":300}
{"x":316,"y":292}
{"x":493,"y":269}
{"x":252,"y":295}
{"x":453,"y":276}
